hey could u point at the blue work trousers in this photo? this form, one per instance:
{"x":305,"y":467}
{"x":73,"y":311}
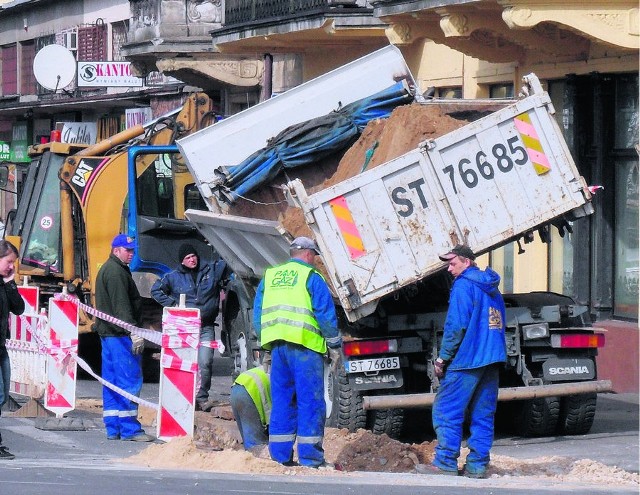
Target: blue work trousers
{"x":298,"y":409}
{"x":205,"y":364}
{"x":123,"y":369}
{"x":247,"y":417}
{"x":475,"y":391}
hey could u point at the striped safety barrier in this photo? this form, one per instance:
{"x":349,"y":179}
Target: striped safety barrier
{"x":25,"y":345}
{"x":178,"y":373}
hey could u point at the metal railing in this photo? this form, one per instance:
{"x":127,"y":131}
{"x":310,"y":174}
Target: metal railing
{"x":245,"y":11}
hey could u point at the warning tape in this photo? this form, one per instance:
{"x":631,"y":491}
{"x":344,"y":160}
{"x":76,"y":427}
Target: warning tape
{"x":124,"y":393}
{"x":66,"y":350}
{"x":145,"y":333}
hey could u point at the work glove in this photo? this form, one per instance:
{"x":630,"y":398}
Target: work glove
{"x":137,"y":344}
{"x":439,"y":366}
{"x":335,"y":359}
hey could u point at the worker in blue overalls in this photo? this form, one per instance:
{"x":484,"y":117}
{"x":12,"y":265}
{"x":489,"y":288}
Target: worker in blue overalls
{"x":294,"y":317}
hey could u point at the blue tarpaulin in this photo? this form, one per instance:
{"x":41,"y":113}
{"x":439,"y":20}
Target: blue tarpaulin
{"x":310,"y":141}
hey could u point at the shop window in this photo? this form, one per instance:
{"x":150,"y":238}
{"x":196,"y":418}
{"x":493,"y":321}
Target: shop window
{"x":561,"y":260}
{"x":9,"y":70}
{"x":626,"y":262}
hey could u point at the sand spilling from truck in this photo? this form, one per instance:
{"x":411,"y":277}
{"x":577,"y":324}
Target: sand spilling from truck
{"x":216,"y":447}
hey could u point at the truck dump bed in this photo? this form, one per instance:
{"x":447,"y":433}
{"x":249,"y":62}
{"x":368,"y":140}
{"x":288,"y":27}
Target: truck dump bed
{"x":486,"y":183}
{"x":483,"y":184}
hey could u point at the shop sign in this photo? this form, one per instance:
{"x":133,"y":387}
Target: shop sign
{"x":77,"y":132}
{"x":107,"y":74}
{"x":137,"y":116}
{"x":5,"y":151}
{"x":19,"y":143}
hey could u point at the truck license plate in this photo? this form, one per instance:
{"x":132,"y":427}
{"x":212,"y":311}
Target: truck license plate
{"x":377,"y":364}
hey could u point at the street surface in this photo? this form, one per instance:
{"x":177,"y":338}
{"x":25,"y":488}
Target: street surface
{"x":84,"y":462}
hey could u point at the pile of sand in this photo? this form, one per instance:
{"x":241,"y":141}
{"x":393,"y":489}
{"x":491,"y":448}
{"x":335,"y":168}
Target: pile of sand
{"x":361,"y":451}
{"x":217,"y":447}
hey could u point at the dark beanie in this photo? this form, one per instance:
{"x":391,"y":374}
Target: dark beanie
{"x":186,"y":249}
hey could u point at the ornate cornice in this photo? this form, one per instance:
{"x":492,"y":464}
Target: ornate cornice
{"x":611,"y":22}
{"x":243,"y":73}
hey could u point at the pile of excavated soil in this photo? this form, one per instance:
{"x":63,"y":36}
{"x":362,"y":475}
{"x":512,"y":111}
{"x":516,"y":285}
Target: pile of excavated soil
{"x":217,"y":446}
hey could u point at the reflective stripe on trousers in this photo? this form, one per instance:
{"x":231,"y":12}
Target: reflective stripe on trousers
{"x":298,"y":408}
{"x":123,"y":369}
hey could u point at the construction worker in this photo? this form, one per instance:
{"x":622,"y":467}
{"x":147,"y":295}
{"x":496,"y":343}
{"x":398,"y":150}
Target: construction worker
{"x":251,"y":405}
{"x":201,"y":282}
{"x":118,"y":296}
{"x":472,"y":351}
{"x":294,"y":317}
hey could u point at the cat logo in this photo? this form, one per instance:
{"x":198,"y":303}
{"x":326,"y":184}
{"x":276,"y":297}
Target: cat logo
{"x":82,"y":174}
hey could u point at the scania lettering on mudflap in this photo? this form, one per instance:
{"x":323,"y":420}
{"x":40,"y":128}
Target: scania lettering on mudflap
{"x":381,"y":380}
{"x":569,"y":369}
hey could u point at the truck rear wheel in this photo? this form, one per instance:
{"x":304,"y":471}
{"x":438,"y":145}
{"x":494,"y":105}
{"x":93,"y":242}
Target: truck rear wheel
{"x":538,"y":417}
{"x":576,"y":414}
{"x":389,"y":421}
{"x":242,"y":342}
{"x":344,"y":404}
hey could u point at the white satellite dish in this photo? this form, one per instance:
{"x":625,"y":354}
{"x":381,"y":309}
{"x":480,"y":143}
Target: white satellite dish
{"x":54,"y":67}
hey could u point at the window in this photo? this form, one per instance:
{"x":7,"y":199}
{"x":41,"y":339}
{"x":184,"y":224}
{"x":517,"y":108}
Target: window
{"x":42,"y":225}
{"x":92,"y":43}
{"x":626,"y":264}
{"x":501,"y":90}
{"x":9,"y":70}
{"x":561,"y":260}
{"x":155,"y":188}
{"x":118,"y":38}
{"x":27,"y":79}
{"x":449,"y":93}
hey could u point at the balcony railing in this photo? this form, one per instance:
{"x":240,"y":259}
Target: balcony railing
{"x":249,"y":11}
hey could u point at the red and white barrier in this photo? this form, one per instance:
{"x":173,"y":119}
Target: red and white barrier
{"x":25,"y":347}
{"x":178,"y":372}
{"x":60,"y":396}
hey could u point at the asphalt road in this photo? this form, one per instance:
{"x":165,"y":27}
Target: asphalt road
{"x":84,"y":462}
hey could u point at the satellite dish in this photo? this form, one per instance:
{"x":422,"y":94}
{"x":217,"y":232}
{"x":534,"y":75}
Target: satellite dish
{"x":54,"y":67}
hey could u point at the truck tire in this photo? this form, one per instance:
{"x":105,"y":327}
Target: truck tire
{"x":389,"y":421}
{"x":576,"y":414}
{"x":242,"y":342}
{"x":538,"y":417}
{"x":346,"y":409}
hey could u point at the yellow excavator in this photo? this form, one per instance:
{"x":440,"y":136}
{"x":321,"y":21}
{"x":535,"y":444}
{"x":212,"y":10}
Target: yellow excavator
{"x":76,"y":198}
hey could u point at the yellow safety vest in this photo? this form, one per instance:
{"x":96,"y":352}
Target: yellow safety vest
{"x":287,"y":312}
{"x":256,"y":383}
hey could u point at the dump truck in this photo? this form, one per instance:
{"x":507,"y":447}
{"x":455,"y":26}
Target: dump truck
{"x":270,"y":173}
{"x":77,"y":197}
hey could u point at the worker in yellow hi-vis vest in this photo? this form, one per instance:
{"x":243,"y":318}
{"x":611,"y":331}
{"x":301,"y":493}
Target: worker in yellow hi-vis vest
{"x":251,"y":406}
{"x":294,"y":317}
